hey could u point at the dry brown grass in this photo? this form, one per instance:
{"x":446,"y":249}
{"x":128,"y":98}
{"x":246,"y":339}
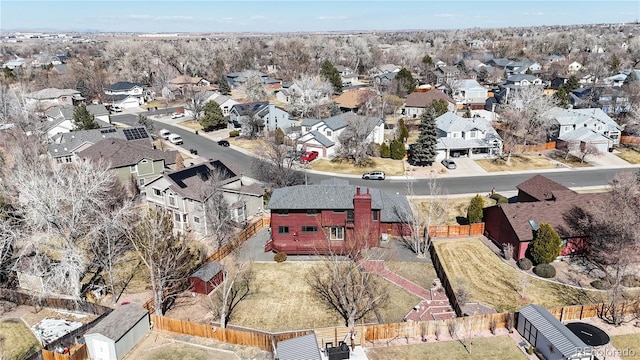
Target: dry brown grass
{"x":251,"y":145}
{"x":518,"y":162}
{"x":389,"y":166}
{"x":630,"y":155}
{"x":191,"y":124}
{"x":495,"y":283}
{"x":630,"y":343}
{"x":17,"y":339}
{"x":420,"y":273}
{"x":571,"y":161}
{"x":456,"y":207}
{"x":499,"y":347}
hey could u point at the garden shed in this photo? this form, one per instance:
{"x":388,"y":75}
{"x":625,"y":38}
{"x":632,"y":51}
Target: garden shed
{"x":117,"y":333}
{"x":206,"y":278}
{"x":299,"y":348}
{"x":549,"y":336}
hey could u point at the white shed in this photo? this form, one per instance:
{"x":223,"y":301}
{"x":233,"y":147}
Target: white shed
{"x":117,"y":333}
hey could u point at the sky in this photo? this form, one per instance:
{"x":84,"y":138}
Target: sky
{"x":212,"y":16}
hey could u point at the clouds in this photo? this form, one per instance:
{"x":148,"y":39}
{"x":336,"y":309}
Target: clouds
{"x":331,"y":18}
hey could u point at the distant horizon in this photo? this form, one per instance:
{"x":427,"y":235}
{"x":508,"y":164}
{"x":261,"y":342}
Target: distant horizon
{"x":304,"y":16}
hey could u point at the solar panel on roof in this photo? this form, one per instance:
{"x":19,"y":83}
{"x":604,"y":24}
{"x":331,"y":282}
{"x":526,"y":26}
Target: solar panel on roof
{"x":135,"y":133}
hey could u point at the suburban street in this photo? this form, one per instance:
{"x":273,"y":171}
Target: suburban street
{"x":481,"y":184}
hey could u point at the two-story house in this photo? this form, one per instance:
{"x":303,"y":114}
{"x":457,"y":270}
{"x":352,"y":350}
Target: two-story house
{"x":348,"y":76}
{"x":225,"y":102}
{"x":334,"y":218}
{"x":130,"y":160}
{"x":418,"y":101}
{"x":60,"y":118}
{"x":183,"y":83}
{"x":523,"y":80}
{"x":267,"y":117}
{"x":458,"y":136}
{"x":587,"y":126}
{"x":186,"y":192}
{"x":49,"y":97}
{"x":126,"y":95}
{"x":444,"y":74}
{"x":323,"y":135}
{"x":469,"y":93}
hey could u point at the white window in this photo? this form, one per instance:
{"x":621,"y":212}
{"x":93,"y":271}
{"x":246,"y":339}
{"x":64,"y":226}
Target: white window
{"x":172,"y":200}
{"x":67,"y":159}
{"x":336,"y":233}
{"x":196,"y":220}
{"x":177,"y":217}
{"x":141,"y":182}
{"x":133,"y":168}
{"x":473,"y":134}
{"x":157,"y":192}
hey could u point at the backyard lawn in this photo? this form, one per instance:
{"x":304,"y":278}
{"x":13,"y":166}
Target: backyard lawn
{"x":499,"y":347}
{"x":191,"y":124}
{"x":282,"y":300}
{"x":389,"y":166}
{"x":628,"y":345}
{"x":455,"y":207}
{"x":16,"y":340}
{"x":518,"y":162}
{"x":630,"y":155}
{"x":495,"y":283}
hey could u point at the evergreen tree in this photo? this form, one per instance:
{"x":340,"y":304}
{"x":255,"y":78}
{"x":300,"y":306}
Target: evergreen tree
{"x":83,"y":120}
{"x":439,"y":107}
{"x":406,"y":80}
{"x":212,"y":117}
{"x":329,"y":72}
{"x":467,"y":113}
{"x":403,"y":131}
{"x":483,"y":74}
{"x":424,"y":152}
{"x":397,"y":150}
{"x":427,"y":60}
{"x":546,"y":245}
{"x":385,"y":152}
{"x":474,"y":212}
{"x":571,"y":84}
{"x":614,"y":64}
{"x":81,"y":86}
{"x":279,"y":136}
{"x":562,"y":97}
{"x":223,"y":86}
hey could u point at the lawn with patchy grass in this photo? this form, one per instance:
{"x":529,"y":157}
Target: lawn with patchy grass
{"x":186,"y":351}
{"x":518,"y":162}
{"x":628,"y":345}
{"x":17,"y":340}
{"x":282,"y":300}
{"x":498,"y":347}
{"x":571,"y":160}
{"x":630,"y":155}
{"x":455,"y":207}
{"x":420,"y":273}
{"x":495,"y":283}
{"x":251,"y":145}
{"x":191,"y":124}
{"x":389,"y":166}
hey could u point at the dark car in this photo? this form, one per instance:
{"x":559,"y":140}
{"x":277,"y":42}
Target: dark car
{"x":224,"y":143}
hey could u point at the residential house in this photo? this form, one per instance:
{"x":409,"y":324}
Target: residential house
{"x":444,"y":74}
{"x":588,"y":126}
{"x":60,"y":119}
{"x":238,"y":78}
{"x":334,"y":218}
{"x":291,"y":93}
{"x":267,"y":117}
{"x":323,"y":135}
{"x":135,"y":161}
{"x":49,"y":97}
{"x":555,"y":58}
{"x":301,"y":347}
{"x":353,"y":100}
{"x":614,"y":101}
{"x":574,"y":67}
{"x":184,"y":194}
{"x":417,"y":102}
{"x":523,"y":80}
{"x":512,"y":67}
{"x":384,"y":79}
{"x":466,"y":136}
{"x":14,"y":63}
{"x":118,"y":332}
{"x":540,"y":200}
{"x":126,"y":95}
{"x":288,"y":92}
{"x":383,"y":69}
{"x":184,"y":83}
{"x":469,"y":93}
{"x":348,"y":76}
{"x":225,"y":102}
{"x":64,"y":146}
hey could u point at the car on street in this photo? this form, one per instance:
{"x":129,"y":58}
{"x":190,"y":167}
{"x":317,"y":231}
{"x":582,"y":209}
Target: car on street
{"x":224,"y":143}
{"x":176,"y":115}
{"x":309,"y":156}
{"x":176,"y":139}
{"x":373,"y":175}
{"x":164,"y":133}
{"x":449,"y":164}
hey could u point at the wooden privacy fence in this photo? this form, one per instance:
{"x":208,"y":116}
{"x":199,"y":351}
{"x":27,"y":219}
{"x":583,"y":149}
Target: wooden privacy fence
{"x":244,"y":235}
{"x":444,"y":280}
{"x":79,"y":353}
{"x":21,"y":298}
{"x":456,"y":230}
{"x":531,"y":148}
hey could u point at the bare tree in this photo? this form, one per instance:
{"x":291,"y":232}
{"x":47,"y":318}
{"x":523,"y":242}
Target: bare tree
{"x":612,"y":239}
{"x":588,"y":149}
{"x":523,"y":113}
{"x":276,"y":166}
{"x":354,"y":140}
{"x":344,"y":286}
{"x":238,"y":278}
{"x":195,"y":102}
{"x":168,"y":96}
{"x":313,"y":97}
{"x":169,"y":259}
{"x":253,"y":88}
{"x":218,"y":224}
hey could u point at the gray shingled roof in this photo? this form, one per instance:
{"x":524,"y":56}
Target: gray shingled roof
{"x":115,"y":325}
{"x":123,"y":86}
{"x":553,"y":330}
{"x":122,"y":153}
{"x":300,"y":348}
{"x":323,"y":140}
{"x":339,"y":121}
{"x":67,"y":143}
{"x":207,"y":270}
{"x":53,"y":93}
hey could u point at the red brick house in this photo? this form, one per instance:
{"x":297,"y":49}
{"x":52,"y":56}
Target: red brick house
{"x":206,"y":278}
{"x":334,"y":217}
{"x":539,"y":200}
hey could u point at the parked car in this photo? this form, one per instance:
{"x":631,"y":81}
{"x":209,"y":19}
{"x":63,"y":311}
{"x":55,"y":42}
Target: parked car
{"x":309,"y":156}
{"x":175,"y":139}
{"x":374,"y":175}
{"x":224,"y":143}
{"x":164,"y":133}
{"x":449,"y":164}
{"x":176,"y":115}
{"x":116,"y":109}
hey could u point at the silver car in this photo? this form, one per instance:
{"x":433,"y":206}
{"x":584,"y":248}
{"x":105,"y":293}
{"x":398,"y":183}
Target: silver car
{"x":374,"y":175}
{"x":449,"y":164}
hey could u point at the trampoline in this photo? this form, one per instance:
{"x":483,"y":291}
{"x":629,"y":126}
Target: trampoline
{"x":589,"y":334}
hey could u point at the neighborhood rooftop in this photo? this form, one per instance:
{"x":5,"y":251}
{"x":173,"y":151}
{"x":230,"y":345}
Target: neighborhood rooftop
{"x":119,"y":321}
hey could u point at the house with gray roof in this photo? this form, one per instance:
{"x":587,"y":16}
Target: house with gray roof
{"x":588,"y":126}
{"x":187,"y":194}
{"x":267,"y":117}
{"x":117,"y":333}
{"x":323,"y":135}
{"x":125,"y":95}
{"x":60,"y":119}
{"x":225,"y":102}
{"x":470,"y":93}
{"x":549,"y":336}
{"x":131,"y":160}
{"x":466,"y":136}
{"x":46,"y":98}
{"x":335,"y":217}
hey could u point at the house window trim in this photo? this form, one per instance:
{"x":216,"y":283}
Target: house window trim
{"x":375,"y":215}
{"x":334,"y":231}
{"x":157,"y":192}
{"x":283,"y":229}
{"x":309,"y":228}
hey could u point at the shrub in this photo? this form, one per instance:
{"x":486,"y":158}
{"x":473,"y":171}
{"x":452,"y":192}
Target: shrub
{"x":546,"y":271}
{"x":397,"y":150}
{"x":474,"y":212}
{"x":525,"y":264}
{"x":499,"y":198}
{"x":601,"y":284}
{"x":630,"y":280}
{"x":546,"y":245}
{"x":234,"y":133}
{"x":279,"y":257}
{"x":530,"y":350}
{"x":385,"y":152}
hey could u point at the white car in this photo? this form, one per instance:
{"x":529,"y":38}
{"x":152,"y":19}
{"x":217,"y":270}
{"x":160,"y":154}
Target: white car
{"x":175,"y":139}
{"x":374,"y":175}
{"x":164,"y":133}
{"x":176,"y":115}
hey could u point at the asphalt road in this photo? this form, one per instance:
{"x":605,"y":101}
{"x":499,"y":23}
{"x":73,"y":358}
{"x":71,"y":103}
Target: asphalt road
{"x":455,"y":185}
